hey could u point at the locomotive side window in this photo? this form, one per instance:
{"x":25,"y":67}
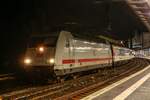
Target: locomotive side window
{"x":67,"y":44}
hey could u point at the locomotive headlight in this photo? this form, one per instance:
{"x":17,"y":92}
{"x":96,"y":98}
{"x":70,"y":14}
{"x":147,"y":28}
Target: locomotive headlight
{"x":27,"y":61}
{"x":41,"y":49}
{"x":51,"y":61}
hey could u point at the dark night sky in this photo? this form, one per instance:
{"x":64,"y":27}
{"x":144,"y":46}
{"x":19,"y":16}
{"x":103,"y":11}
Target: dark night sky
{"x":20,"y":18}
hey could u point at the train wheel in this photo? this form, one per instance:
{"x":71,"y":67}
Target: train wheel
{"x":93,"y":78}
{"x":62,"y":80}
{"x":99,"y":71}
{"x":58,"y":79}
{"x":74,"y":77}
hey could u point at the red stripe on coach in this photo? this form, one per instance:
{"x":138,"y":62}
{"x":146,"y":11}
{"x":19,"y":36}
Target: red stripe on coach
{"x":68,"y":61}
{"x":91,"y":60}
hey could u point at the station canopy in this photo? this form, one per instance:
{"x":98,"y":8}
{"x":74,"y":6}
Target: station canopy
{"x":113,"y":18}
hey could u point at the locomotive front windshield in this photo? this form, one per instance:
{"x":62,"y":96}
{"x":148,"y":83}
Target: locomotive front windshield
{"x":49,"y":41}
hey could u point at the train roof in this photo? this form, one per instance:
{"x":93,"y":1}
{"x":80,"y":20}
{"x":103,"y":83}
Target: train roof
{"x":100,"y":38}
{"x":45,"y":34}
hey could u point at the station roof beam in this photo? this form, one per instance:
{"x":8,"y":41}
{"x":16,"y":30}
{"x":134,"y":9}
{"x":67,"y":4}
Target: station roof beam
{"x":142,"y":10}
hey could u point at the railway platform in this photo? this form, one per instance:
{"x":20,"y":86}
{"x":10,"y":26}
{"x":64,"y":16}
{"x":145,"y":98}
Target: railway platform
{"x":133,"y":87}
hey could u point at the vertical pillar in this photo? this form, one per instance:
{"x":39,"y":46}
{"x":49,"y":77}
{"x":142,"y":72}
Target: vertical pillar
{"x":142,"y":37}
{"x":131,"y":43}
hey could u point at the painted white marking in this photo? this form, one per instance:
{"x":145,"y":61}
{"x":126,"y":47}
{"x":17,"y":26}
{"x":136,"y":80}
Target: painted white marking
{"x":104,"y":90}
{"x":131,"y":89}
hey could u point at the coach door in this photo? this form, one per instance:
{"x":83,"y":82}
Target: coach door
{"x":70,"y":52}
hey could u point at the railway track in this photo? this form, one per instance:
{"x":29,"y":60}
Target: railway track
{"x":140,"y":64}
{"x":80,"y":87}
{"x":7,"y":76}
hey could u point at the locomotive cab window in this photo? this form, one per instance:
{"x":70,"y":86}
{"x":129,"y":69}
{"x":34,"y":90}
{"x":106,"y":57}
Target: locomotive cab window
{"x":43,"y":40}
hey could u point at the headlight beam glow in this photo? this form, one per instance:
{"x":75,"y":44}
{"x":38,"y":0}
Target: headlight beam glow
{"x":51,"y":61}
{"x":27,"y":61}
